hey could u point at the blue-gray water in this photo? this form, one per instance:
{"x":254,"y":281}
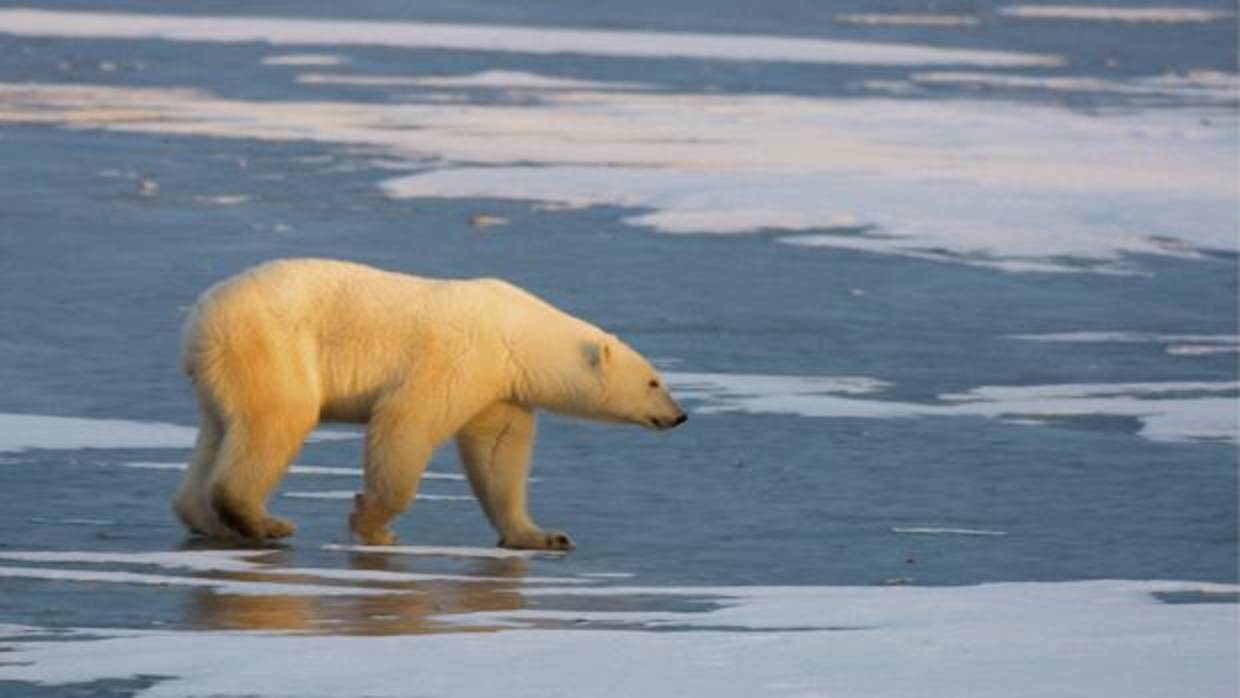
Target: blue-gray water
{"x":94,"y":277}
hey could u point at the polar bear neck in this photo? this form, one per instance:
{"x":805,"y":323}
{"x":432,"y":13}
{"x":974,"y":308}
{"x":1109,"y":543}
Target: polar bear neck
{"x":547,"y":351}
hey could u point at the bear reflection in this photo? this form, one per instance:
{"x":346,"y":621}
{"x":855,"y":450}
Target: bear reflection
{"x":415,"y":607}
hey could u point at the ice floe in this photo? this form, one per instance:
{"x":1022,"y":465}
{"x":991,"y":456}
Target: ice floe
{"x":708,"y":386}
{"x":490,"y":79}
{"x":301,"y":60}
{"x":1176,"y":344}
{"x":959,"y":181}
{"x":1125,"y":337}
{"x":1204,"y":85}
{"x":493,"y":37}
{"x":20,"y":432}
{"x":1114,"y":13}
{"x":1166,"y":411}
{"x":1018,"y":640}
{"x":933,"y":531}
{"x":223,"y":199}
{"x":902,"y":19}
{"x":45,"y":520}
{"x":1202,"y":349}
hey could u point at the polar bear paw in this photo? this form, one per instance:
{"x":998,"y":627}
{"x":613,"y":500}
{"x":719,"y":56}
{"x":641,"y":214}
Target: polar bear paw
{"x":382,"y":536}
{"x":275,"y":527}
{"x":365,"y":528}
{"x":537,"y":539}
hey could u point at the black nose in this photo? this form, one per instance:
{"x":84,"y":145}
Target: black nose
{"x":681,"y":419}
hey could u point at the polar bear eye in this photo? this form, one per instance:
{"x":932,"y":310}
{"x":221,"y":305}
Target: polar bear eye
{"x":654,"y":384}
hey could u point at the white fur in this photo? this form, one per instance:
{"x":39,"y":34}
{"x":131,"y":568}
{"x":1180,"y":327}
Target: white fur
{"x":285,"y":345}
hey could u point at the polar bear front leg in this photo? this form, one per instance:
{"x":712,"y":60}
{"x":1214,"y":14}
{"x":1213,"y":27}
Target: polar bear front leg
{"x":495,"y":448}
{"x":397,"y":450}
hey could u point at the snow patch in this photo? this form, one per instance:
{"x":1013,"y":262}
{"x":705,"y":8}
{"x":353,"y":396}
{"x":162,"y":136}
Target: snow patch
{"x":1177,"y":344}
{"x":931,"y":531}
{"x":493,"y":37}
{"x":1201,"y":350}
{"x":1109,"y":13}
{"x":223,"y":199}
{"x":1192,"y":413}
{"x":895,"y":19}
{"x":491,"y":79}
{"x":1019,"y":640}
{"x":1123,"y":337}
{"x":305,"y":59}
{"x":963,"y":182}
{"x":70,"y":522}
{"x":19,"y":432}
{"x":1207,"y":85}
{"x":708,"y":386}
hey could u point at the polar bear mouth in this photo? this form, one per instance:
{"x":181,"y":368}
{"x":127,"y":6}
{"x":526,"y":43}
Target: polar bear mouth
{"x":660,"y":424}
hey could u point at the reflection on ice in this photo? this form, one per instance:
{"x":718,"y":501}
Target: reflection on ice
{"x":222,"y":585}
{"x":243,"y":566}
{"x":444,"y":551}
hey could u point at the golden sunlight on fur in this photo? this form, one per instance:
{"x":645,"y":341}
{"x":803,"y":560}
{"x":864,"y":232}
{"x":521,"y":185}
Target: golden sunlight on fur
{"x":288,"y":344}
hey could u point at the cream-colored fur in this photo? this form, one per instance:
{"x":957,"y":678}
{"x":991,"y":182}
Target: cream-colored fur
{"x":285,"y":345}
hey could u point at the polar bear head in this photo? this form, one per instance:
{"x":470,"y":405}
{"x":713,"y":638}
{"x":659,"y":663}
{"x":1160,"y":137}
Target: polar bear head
{"x":597,"y":376}
{"x":628,"y":387}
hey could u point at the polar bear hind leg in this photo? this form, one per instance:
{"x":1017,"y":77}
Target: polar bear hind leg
{"x":253,"y":456}
{"x":397,"y":450}
{"x":191,"y":504}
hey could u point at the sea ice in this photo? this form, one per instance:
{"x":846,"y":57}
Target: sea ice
{"x":493,"y":37}
{"x":1016,"y":640}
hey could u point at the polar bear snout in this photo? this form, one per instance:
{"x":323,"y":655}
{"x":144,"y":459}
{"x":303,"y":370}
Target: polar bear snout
{"x":661,"y":424}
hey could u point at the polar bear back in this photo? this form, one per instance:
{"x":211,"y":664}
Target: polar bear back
{"x":346,"y":330}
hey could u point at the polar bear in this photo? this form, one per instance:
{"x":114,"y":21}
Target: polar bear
{"x":276,"y":349}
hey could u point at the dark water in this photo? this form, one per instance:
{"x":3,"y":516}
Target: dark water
{"x":94,"y":277}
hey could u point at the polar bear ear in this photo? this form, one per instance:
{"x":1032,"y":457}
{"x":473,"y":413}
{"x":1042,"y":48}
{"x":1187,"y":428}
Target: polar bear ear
{"x":598,"y":353}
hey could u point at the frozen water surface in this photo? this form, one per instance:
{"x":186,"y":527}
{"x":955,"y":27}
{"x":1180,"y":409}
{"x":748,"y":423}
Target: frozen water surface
{"x":948,"y":289}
